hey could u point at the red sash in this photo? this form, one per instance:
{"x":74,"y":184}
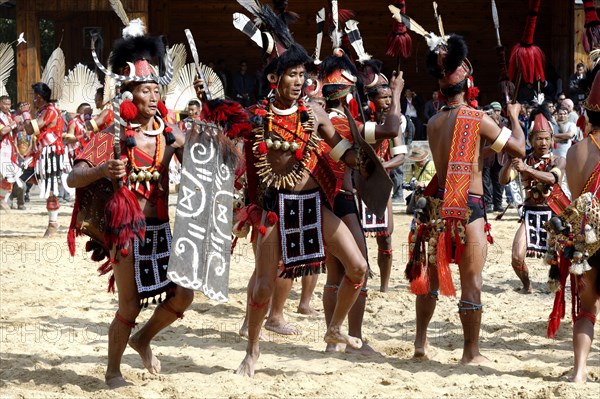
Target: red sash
{"x":455,"y":210}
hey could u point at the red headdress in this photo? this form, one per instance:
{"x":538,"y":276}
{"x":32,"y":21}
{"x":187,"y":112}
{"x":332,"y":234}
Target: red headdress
{"x":526,"y":57}
{"x":591,"y":34}
{"x":399,"y":42}
{"x":592,"y":102}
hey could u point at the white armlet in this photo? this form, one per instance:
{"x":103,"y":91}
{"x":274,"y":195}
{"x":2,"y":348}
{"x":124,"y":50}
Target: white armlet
{"x":340,"y":148}
{"x":501,"y":140}
{"x":370,"y":132}
{"x":36,"y":128}
{"x":399,"y":149}
{"x":403,"y":124}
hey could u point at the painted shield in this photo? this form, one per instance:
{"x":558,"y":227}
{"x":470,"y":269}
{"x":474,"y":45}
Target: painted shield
{"x":200,"y":253}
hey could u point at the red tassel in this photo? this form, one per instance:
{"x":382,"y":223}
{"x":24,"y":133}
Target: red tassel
{"x":124,"y":219}
{"x":581,"y":123}
{"x":443,"y":266}
{"x":353,"y":105}
{"x":260,"y":112}
{"x":162,"y":108}
{"x":529,"y":60}
{"x":488,"y":230}
{"x":262,"y":230}
{"x":128,"y":110}
{"x":591,"y":34}
{"x":124,"y":252}
{"x":299,"y":154}
{"x":558,"y":309}
{"x":272,"y":218}
{"x":262,"y":148}
{"x":399,"y":42}
{"x":420,"y":285}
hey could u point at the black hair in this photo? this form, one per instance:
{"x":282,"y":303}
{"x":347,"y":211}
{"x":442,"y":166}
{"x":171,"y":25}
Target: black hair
{"x":294,"y":56}
{"x":373,"y":92}
{"x":82,"y":105}
{"x":42,"y":90}
{"x":4,"y":97}
{"x":593,"y":117}
{"x":195,"y":103}
{"x":453,"y":90}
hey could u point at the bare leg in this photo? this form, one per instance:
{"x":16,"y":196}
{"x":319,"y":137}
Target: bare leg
{"x":308,"y":288}
{"x":268,"y":254}
{"x":335,"y":274}
{"x":275,"y":321}
{"x":470,"y":267}
{"x":343,"y":246}
{"x":119,"y":330}
{"x":519,"y":250}
{"x":425,"y":306}
{"x":583,"y":329}
{"x":164,"y":314}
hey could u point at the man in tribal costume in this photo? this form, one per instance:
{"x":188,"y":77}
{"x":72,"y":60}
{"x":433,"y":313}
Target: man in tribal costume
{"x":541,"y":174}
{"x":291,"y":184}
{"x":138,"y":261}
{"x":452,"y":219}
{"x":50,"y":159}
{"x":9,"y":169}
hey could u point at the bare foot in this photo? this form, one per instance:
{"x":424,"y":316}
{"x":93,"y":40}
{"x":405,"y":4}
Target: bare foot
{"x":248,"y":365}
{"x":244,"y":333}
{"x":150,"y":361}
{"x":116,"y":381}
{"x":524,"y":290}
{"x":335,"y":336}
{"x":283,"y":329}
{"x":475,"y":361}
{"x":307,"y":310}
{"x":423,"y":353}
{"x":365,"y":350}
{"x":51,"y":230}
{"x":578,"y":377}
{"x":383,"y":289}
{"x":335,"y":348}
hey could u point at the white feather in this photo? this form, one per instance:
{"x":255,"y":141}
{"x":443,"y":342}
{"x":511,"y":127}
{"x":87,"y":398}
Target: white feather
{"x":182,"y":90}
{"x":7,"y":61}
{"x":54,"y":73}
{"x":117,"y":6}
{"x":178,"y":56}
{"x":251,"y":5}
{"x":539,"y":98}
{"x":135,"y":28}
{"x":214,"y":82}
{"x":79,"y":87}
{"x":434,"y":41}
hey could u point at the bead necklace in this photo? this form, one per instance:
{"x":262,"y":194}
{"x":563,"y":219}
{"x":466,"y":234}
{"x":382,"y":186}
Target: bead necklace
{"x":145,"y":174}
{"x":452,"y":105}
{"x":302,"y":143}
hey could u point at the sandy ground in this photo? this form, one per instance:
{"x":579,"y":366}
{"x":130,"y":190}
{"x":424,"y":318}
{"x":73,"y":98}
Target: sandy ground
{"x":54,"y":314}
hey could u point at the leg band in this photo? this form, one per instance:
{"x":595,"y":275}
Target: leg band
{"x":434,"y":294}
{"x":255,"y":305}
{"x":130,"y":324}
{"x":364,"y":292}
{"x":331,"y":287}
{"x":586,"y":315}
{"x":52,"y":203}
{"x":385,"y":251}
{"x":466,"y":305}
{"x":352,"y":283}
{"x":168,"y":308}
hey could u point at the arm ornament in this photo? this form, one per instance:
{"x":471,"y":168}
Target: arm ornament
{"x":36,"y":128}
{"x":399,"y":149}
{"x":513,"y":175}
{"x":501,"y":140}
{"x":556,"y":172}
{"x":370,"y":132}
{"x":340,"y":148}
{"x":94,"y":125}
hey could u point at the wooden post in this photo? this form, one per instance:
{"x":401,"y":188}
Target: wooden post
{"x":28,"y":54}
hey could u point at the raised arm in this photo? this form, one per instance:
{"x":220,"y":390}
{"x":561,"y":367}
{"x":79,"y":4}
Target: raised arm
{"x":505,"y":140}
{"x":372,"y":131}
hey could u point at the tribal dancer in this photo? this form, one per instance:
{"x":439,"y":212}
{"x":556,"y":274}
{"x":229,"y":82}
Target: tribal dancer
{"x":8,"y":151}
{"x":340,"y":77}
{"x":78,"y":136}
{"x":453,"y":220}
{"x":291,"y":183}
{"x":50,"y":160}
{"x":149,"y":146}
{"x":392,"y":153}
{"x":105,"y":118}
{"x":541,"y":174}
{"x":583,"y":176}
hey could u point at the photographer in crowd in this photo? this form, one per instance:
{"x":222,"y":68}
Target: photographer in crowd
{"x":418,"y":176}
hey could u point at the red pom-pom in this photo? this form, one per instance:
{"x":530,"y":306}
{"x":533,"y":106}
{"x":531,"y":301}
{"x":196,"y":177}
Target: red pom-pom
{"x":262,"y":230}
{"x":162,"y":108}
{"x":124,"y":252}
{"x":272,"y":217}
{"x":260,"y":112}
{"x":273,"y":86}
{"x":262,"y":148}
{"x":168,"y":129}
{"x":128,"y":110}
{"x":299,"y":154}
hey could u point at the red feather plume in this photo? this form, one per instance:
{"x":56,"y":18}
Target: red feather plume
{"x":525,"y":57}
{"x":399,"y":42}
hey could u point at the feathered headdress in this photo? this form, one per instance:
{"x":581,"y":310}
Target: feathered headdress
{"x":447,"y":60}
{"x":54,"y":73}
{"x":181,"y":89}
{"x":525,"y":57}
{"x":7,"y":60}
{"x":399,"y":42}
{"x":592,"y":102}
{"x":80,"y":86}
{"x":540,"y":116}
{"x":591,"y":33}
